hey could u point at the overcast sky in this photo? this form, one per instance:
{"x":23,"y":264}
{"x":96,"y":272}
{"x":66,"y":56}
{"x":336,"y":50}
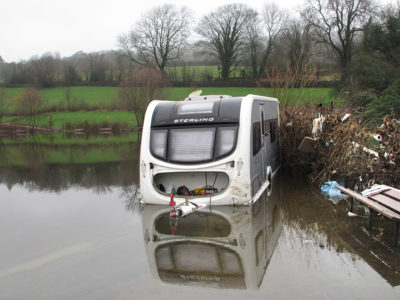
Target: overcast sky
{"x":33,"y":27}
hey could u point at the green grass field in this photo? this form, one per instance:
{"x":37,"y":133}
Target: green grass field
{"x":312,"y":95}
{"x":87,"y":97}
{"x":61,"y":119}
{"x":103,"y":97}
{"x":97,"y":104}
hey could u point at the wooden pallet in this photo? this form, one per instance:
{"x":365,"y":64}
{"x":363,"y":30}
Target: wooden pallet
{"x":385,"y":201}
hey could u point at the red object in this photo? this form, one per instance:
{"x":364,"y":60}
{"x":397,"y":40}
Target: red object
{"x":172,"y":202}
{"x":173,"y":230}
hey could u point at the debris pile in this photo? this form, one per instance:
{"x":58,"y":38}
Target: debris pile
{"x":346,"y":149}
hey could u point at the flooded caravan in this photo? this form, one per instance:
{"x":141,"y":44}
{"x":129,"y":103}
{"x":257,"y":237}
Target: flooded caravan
{"x":210,"y":150}
{"x":223,"y":248}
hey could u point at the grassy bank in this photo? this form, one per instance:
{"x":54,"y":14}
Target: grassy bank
{"x":98,"y":105}
{"x":91,"y":98}
{"x":72,"y":139}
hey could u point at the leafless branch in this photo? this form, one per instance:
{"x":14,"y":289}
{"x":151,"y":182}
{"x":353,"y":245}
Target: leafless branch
{"x":159,"y":36}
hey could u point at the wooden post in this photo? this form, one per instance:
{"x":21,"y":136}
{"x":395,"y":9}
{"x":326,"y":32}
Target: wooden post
{"x":396,"y":234}
{"x":351,"y":204}
{"x":370,"y":219}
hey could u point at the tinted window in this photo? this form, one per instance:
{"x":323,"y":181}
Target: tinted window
{"x":256,"y":138}
{"x":262,"y":122}
{"x":274,"y":128}
{"x":193,"y":144}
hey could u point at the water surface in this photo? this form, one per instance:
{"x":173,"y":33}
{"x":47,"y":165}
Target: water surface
{"x":76,"y":231}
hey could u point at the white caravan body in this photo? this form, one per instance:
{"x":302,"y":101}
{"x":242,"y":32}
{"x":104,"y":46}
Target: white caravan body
{"x":211,"y":150}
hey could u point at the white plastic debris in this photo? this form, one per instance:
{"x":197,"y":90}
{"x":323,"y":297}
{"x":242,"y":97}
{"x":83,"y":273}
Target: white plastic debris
{"x":378,"y":137}
{"x":365,"y":149}
{"x":350,"y":214}
{"x":346,"y":117}
{"x":317,"y":126}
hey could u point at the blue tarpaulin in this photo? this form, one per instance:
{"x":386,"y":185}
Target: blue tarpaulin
{"x":328,"y":189}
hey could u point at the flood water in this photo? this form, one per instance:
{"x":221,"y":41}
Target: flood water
{"x":77,"y":231}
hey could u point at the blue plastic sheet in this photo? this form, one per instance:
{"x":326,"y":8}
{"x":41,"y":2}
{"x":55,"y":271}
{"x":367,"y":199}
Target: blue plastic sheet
{"x":329,"y":190}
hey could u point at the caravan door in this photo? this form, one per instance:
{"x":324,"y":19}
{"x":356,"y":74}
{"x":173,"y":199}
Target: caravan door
{"x":263,"y":144}
{"x":258,"y":148}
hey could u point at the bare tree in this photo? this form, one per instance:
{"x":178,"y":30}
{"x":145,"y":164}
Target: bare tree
{"x":224,"y":33}
{"x":293,"y":65}
{"x":158,"y":36}
{"x":45,"y":68}
{"x":336,"y":23}
{"x":298,"y":44}
{"x":274,"y":20}
{"x":139,"y":88}
{"x":83,"y":65}
{"x":29,"y":106}
{"x":97,"y":66}
{"x":70,"y":71}
{"x":122,"y":65}
{"x":17,"y":72}
{"x":253,"y":43}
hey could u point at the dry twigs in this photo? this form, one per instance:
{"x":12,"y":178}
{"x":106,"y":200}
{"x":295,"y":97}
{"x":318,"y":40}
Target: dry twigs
{"x":345,"y":151}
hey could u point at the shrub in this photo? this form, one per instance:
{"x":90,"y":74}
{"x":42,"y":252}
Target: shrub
{"x":387,"y":104}
{"x":29,"y":106}
{"x":383,"y":106}
{"x":142,"y":86}
{"x":362,"y":98}
{"x":372,"y":72}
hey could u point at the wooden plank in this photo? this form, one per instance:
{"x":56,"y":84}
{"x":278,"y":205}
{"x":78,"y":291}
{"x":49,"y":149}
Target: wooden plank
{"x":370,"y":203}
{"x":388,"y":202}
{"x":377,"y":192}
{"x":393,"y":193}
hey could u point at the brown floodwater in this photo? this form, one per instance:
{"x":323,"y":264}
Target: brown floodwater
{"x":80,"y":233}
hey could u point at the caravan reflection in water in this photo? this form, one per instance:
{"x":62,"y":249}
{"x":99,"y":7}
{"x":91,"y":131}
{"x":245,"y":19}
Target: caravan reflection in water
{"x":222,"y":247}
{"x":217,"y":150}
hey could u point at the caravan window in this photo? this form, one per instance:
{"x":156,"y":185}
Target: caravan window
{"x":188,"y":145}
{"x":196,"y":108}
{"x":194,"y":144}
{"x":256,"y":137}
{"x":262,"y":123}
{"x":274,"y":132}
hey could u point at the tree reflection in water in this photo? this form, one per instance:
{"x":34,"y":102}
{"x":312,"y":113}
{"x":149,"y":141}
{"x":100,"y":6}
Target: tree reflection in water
{"x":131,"y":196}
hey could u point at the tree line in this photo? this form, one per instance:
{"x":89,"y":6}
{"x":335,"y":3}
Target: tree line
{"x":356,"y":40}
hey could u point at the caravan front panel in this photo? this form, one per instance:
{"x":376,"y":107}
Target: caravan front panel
{"x":202,"y":149}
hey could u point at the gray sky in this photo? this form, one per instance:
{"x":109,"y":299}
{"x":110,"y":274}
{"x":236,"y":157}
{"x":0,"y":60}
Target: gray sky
{"x":33,"y":27}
